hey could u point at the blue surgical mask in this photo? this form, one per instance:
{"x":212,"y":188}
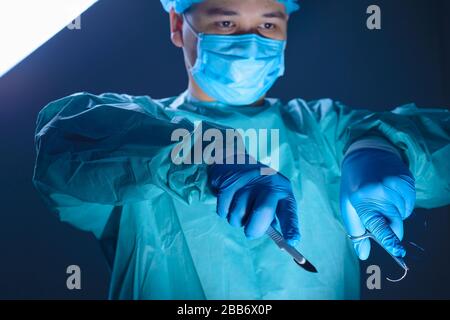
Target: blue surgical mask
{"x":237,"y":69}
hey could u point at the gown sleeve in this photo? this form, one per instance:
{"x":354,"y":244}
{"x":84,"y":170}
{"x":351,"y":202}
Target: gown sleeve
{"x":421,"y":135}
{"x":98,"y":153}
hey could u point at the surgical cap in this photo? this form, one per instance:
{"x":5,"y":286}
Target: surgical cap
{"x":182,"y":5}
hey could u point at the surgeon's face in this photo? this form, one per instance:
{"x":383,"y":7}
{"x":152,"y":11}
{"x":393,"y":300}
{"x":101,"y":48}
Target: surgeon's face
{"x":267,"y":18}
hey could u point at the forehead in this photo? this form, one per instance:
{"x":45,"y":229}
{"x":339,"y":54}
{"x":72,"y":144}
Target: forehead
{"x":243,"y":8}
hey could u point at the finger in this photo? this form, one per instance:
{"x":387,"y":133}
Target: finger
{"x":288,"y":216}
{"x":231,"y":185}
{"x":396,"y":190}
{"x":408,"y":191}
{"x":362,"y":248}
{"x":224,"y":198}
{"x":239,"y":207}
{"x":262,"y":214}
{"x":377,"y":224}
{"x":350,"y":217}
{"x":392,"y":207}
{"x":355,"y":228}
{"x":396,"y":225}
{"x":404,"y":187}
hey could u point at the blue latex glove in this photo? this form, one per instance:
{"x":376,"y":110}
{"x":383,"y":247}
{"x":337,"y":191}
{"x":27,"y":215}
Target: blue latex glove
{"x":377,"y":194}
{"x":251,"y":200}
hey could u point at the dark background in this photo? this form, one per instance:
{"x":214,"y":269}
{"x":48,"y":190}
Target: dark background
{"x":124,"y":47}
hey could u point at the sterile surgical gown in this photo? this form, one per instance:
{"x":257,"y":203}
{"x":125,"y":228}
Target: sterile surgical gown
{"x":104,"y":166}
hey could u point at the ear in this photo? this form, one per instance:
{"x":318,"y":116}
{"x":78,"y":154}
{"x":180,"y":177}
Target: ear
{"x":176,"y":28}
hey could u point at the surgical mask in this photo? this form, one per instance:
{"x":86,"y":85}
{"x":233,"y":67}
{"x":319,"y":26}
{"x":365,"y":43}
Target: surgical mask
{"x":237,"y":69}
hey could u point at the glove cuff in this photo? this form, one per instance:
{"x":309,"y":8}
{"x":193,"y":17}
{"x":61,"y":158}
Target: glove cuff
{"x":373,"y":142}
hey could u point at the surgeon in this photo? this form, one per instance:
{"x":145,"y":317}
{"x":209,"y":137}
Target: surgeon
{"x":196,"y":230}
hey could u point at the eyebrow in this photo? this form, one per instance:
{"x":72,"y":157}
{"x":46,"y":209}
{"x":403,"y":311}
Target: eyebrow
{"x":221,"y":12}
{"x":276,"y":14}
{"x":217,"y":11}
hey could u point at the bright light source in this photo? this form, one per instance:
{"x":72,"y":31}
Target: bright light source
{"x":27,"y":24}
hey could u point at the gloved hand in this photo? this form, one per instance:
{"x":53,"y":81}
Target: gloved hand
{"x":377,"y":194}
{"x":251,"y":200}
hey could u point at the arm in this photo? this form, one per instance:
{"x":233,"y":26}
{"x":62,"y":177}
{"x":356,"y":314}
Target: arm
{"x":422,"y":136}
{"x":95,"y":153}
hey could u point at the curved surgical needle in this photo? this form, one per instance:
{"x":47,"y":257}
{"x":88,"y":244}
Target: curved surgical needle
{"x":399,"y":261}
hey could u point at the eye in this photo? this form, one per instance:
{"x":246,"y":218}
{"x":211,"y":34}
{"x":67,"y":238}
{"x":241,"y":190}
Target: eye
{"x":267,"y":26}
{"x":226,"y":25}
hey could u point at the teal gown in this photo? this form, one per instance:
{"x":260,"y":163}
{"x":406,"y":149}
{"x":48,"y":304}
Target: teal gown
{"x":103,"y":165}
